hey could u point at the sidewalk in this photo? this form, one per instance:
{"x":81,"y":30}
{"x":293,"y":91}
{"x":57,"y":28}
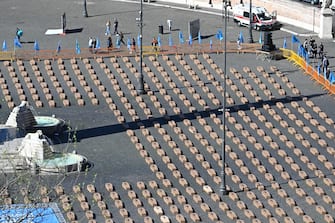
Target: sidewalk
{"x":201,"y":4}
{"x":288,"y":12}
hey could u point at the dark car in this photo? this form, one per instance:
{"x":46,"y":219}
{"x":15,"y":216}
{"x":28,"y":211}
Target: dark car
{"x":313,"y":2}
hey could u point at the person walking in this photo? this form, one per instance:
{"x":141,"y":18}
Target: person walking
{"x":169,"y":23}
{"x":154,"y":43}
{"x":108,"y":28}
{"x":94,"y":45}
{"x":239,"y":46}
{"x":327,"y":73}
{"x":325,"y":63}
{"x":122,"y":38}
{"x":314,"y":50}
{"x":305,"y":45}
{"x":311,"y":41}
{"x":19,"y":33}
{"x":116,"y":25}
{"x":109,"y":43}
{"x":90,"y":44}
{"x":321,"y":50}
{"x":133,"y":45}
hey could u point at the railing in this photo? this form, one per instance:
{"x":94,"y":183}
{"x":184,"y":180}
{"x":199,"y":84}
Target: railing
{"x":314,"y":74}
{"x":7,"y":55}
{"x":23,"y":54}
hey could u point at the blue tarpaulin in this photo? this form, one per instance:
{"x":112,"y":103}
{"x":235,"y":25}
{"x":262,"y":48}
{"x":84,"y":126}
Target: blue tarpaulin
{"x":27,"y":214}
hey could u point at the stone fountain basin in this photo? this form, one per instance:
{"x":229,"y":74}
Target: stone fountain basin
{"x":49,"y":125}
{"x":62,"y":162}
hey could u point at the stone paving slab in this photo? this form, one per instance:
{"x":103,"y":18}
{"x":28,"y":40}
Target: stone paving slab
{"x":173,"y":154}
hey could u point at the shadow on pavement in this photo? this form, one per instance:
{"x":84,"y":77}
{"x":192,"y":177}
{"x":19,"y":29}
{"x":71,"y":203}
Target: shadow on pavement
{"x":117,"y":128}
{"x":76,"y":30}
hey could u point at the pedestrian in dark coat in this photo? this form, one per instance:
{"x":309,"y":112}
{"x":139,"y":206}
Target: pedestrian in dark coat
{"x":325,"y":63}
{"x":321,"y":51}
{"x":109,"y":43}
{"x":116,"y":25}
{"x":90,"y":44}
{"x":122,"y":38}
{"x":133,"y":45}
{"x":94,"y":45}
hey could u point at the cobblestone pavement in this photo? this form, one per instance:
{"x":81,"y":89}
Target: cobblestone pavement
{"x":162,"y":151}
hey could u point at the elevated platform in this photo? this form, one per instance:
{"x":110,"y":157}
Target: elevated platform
{"x":269,"y":55}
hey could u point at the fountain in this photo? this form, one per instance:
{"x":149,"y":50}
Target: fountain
{"x":40,"y":155}
{"x":23,"y":118}
{"x":34,"y":151}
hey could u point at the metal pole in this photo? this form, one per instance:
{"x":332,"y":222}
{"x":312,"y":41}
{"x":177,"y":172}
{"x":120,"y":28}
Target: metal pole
{"x":223,"y":152}
{"x":85,"y":9}
{"x":313,"y":18}
{"x":251,"y":40}
{"x":140,"y":89}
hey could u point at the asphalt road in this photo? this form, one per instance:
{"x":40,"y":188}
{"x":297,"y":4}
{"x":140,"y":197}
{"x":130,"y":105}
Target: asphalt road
{"x":103,"y":140}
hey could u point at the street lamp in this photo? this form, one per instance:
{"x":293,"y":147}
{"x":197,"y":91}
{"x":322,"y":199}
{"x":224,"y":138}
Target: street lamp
{"x":223,"y":188}
{"x":140,"y":88}
{"x":85,"y":9}
{"x":251,"y":40}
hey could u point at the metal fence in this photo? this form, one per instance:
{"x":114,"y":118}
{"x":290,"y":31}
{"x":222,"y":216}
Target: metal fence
{"x":319,"y":77}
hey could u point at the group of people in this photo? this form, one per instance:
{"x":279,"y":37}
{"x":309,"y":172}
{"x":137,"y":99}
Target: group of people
{"x":108,"y":27}
{"x":317,"y":52}
{"x":109,"y":34}
{"x":119,"y":38}
{"x":92,"y":42}
{"x":313,"y":50}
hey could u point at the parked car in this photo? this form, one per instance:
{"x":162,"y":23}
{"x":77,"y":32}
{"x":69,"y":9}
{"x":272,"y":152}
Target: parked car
{"x":313,"y":2}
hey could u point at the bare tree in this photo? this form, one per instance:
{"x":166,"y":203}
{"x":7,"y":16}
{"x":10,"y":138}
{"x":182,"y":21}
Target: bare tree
{"x":27,"y":193}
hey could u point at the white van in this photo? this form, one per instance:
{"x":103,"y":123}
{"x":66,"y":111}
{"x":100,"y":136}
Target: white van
{"x":262,"y":20}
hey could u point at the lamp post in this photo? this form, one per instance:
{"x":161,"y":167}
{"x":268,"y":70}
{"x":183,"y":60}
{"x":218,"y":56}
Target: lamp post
{"x":140,"y":88}
{"x":251,"y":40}
{"x":85,"y":9}
{"x":223,"y":188}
